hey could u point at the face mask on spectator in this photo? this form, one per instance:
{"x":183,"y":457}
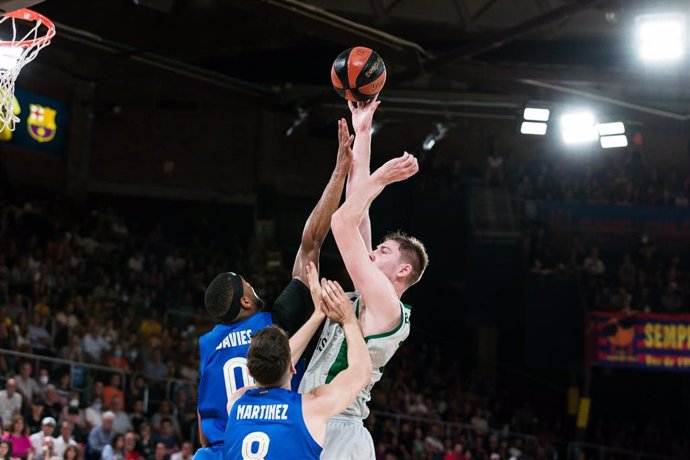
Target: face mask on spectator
{"x":133,"y":355}
{"x":74,"y":403}
{"x":44,"y":380}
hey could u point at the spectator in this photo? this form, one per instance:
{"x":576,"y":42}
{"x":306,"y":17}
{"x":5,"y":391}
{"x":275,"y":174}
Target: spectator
{"x":164,"y":411}
{"x":160,"y":452}
{"x":121,"y":424}
{"x":132,"y":451}
{"x":77,"y":422}
{"x":146,"y":441}
{"x":26,"y":385}
{"x":19,"y":437}
{"x":47,"y":451}
{"x":47,"y":428}
{"x":40,"y":340}
{"x":64,"y":438}
{"x":114,"y":389}
{"x":43,"y":379}
{"x":137,"y":417}
{"x":185,"y":453}
{"x":6,"y":450}
{"x":116,"y":449}
{"x":94,"y":413}
{"x":10,"y":403}
{"x":73,"y":351}
{"x":593,"y":265}
{"x":155,"y":369}
{"x":53,"y":408}
{"x":64,"y":389}
{"x":101,"y":436}
{"x":34,"y":419}
{"x":94,"y":344}
{"x":166,"y":436}
{"x":72,"y":453}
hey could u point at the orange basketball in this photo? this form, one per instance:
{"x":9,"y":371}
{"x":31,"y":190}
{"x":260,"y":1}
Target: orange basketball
{"x":358,"y":74}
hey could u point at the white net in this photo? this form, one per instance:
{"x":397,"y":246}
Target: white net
{"x":23,"y":33}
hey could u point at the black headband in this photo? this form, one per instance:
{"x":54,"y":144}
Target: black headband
{"x":237,"y":293}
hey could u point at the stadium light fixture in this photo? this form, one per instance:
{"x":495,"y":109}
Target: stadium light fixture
{"x":578,"y":127}
{"x":612,"y":142}
{"x":533,"y":127}
{"x":661,"y":37}
{"x":535,"y":114}
{"x":610,"y":129}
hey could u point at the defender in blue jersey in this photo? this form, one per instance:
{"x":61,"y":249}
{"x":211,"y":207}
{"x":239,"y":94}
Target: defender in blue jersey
{"x":271,"y":422}
{"x":232,"y":301}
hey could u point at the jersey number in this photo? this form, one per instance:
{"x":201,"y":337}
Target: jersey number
{"x":255,"y":446}
{"x":229,"y":373}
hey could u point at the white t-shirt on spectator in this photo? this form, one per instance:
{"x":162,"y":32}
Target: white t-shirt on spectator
{"x":121,"y":424}
{"x":93,"y":417}
{"x":29,"y":387}
{"x":94,"y":346}
{"x":59,"y":445}
{"x":37,"y":443}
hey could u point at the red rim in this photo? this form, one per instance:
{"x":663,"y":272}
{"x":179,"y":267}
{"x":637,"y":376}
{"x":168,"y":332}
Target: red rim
{"x":26,"y":14}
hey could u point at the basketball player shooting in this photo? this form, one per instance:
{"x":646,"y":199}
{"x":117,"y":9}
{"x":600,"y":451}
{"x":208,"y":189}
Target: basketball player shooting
{"x":380,"y":277}
{"x":231,"y":300}
{"x":271,"y":422}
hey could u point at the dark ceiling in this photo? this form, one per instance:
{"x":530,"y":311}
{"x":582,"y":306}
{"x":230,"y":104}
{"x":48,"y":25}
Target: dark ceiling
{"x":494,"y":48}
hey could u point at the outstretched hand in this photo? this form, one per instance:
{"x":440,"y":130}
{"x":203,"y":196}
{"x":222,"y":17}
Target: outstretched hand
{"x":312,"y":277}
{"x":363,"y":114}
{"x":336,"y":304}
{"x":397,"y":169}
{"x":344,"y":145}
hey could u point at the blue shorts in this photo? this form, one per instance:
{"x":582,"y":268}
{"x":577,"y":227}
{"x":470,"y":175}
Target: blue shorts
{"x":209,"y":453}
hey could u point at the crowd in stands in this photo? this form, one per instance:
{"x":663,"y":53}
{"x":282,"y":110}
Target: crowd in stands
{"x":92,"y":291}
{"x":613,"y":179}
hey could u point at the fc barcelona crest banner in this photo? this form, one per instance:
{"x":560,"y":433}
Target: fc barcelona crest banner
{"x":643,"y":340}
{"x":43,"y":123}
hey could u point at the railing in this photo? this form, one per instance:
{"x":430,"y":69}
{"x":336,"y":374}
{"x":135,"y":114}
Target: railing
{"x":449,"y":426}
{"x":599,"y":452}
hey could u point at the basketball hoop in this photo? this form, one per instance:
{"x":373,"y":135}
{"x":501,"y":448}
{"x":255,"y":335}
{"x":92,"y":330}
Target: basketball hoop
{"x":23,"y":33}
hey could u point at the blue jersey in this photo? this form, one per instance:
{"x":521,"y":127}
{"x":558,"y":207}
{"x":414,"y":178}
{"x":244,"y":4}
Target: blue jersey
{"x":223,"y":370}
{"x":267,"y":424}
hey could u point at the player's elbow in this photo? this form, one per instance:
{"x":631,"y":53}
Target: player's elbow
{"x":337,"y":222}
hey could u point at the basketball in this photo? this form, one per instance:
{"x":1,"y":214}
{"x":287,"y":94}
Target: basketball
{"x":358,"y":74}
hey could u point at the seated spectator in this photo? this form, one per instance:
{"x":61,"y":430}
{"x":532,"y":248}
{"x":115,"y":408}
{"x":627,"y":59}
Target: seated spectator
{"x":114,"y":389}
{"x":39,"y":338}
{"x":146,"y":441}
{"x":93,"y":415}
{"x":6,"y":450}
{"x":164,"y":411}
{"x":64,"y":389}
{"x":64,"y":439}
{"x":73,"y":351}
{"x":47,"y":451}
{"x":593,"y":265}
{"x":43,"y":379}
{"x":156,"y":369}
{"x":26,"y":385}
{"x":137,"y":416}
{"x":47,"y":428}
{"x":94,"y":344}
{"x":166,"y":436}
{"x":76,"y":419}
{"x":72,"y":453}
{"x":34,"y":419}
{"x":10,"y":403}
{"x":160,"y":452}
{"x":117,"y":360}
{"x":116,"y":449}
{"x":132,"y":451}
{"x":185,"y":453}
{"x":101,"y":436}
{"x":19,"y":437}
{"x":53,"y":408}
{"x":121,"y":424}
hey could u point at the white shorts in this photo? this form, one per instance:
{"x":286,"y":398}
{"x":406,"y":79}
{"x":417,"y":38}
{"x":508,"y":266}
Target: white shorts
{"x":347,"y":439}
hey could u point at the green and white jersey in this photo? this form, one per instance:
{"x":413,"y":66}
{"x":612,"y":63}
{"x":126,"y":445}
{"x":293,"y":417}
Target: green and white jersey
{"x":330,"y":356}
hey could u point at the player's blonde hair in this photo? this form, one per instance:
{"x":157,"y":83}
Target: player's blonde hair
{"x":413,"y":252}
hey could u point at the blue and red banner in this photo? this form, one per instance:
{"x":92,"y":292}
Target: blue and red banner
{"x":612,"y":225}
{"x":643,"y":341}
